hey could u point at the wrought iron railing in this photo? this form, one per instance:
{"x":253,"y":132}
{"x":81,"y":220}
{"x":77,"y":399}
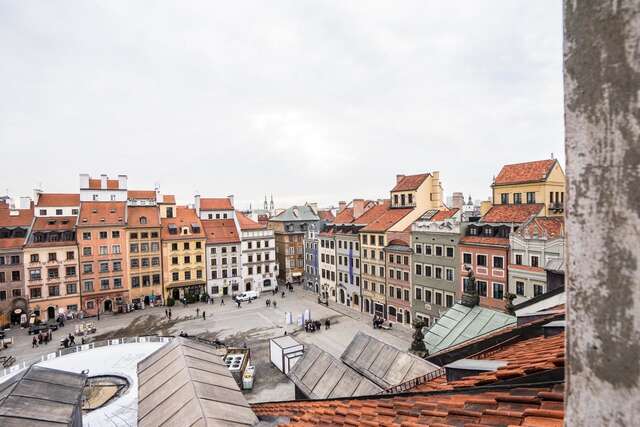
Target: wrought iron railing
{"x":408,"y":385}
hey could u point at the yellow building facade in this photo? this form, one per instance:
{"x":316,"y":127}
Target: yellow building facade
{"x":532,"y":182}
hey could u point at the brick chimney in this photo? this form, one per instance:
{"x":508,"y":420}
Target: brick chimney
{"x":358,"y":207}
{"x":341,"y":205}
{"x":399,"y":178}
{"x":103,"y":181}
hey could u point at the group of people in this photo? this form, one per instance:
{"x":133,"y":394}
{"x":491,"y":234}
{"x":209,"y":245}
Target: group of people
{"x":167,"y":313}
{"x":204,"y":314}
{"x":41,"y":338}
{"x":270,"y":303}
{"x":70,"y":341}
{"x":315,"y":325}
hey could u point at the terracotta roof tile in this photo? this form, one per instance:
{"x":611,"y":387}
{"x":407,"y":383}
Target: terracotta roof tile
{"x":444,"y":214}
{"x":169,"y":199}
{"x":136,"y":213}
{"x":216,"y":204}
{"x":525,"y":172}
{"x":418,"y":409}
{"x":12,"y":243}
{"x":247,"y":223}
{"x":511,"y":213}
{"x":15,"y":217}
{"x":220,"y":231}
{"x":549,"y":227}
{"x":141,"y":194}
{"x":102,"y":213}
{"x":525,"y":268}
{"x":372,"y":214}
{"x":410,"y":182}
{"x":58,"y":200}
{"x":326,"y":215}
{"x":345,"y":216}
{"x":387,"y":220}
{"x":54,"y":223}
{"x":185,"y":217}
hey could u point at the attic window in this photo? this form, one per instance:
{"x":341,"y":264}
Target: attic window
{"x":185,"y":230}
{"x":143,"y":220}
{"x":94,"y":210}
{"x":173,"y":229}
{"x":112,"y":210}
{"x":84,"y":219}
{"x":102,"y":220}
{"x":51,"y":221}
{"x":65,"y":221}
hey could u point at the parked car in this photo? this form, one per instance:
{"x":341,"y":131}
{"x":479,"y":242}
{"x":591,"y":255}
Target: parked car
{"x":52,"y":324}
{"x":246,"y":296}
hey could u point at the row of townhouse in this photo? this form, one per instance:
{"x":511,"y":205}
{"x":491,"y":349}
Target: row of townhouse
{"x":408,"y":257}
{"x":106,"y":246}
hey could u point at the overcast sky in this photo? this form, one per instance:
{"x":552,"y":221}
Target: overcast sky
{"x":308,"y":100}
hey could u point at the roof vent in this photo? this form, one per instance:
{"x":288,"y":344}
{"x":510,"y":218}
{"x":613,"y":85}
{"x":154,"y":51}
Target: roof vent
{"x":94,"y":210}
{"x":51,"y":221}
{"x":84,"y":219}
{"x":468,"y":367}
{"x":101,"y":219}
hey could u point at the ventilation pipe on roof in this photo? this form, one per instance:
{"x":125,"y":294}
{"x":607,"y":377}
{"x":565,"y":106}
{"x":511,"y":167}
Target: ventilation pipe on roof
{"x":197,"y":204}
{"x":84,"y":181}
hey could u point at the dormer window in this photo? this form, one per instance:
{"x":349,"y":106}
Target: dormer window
{"x":402,"y":199}
{"x":473,"y":231}
{"x":488,"y":231}
{"x":143,"y":220}
{"x":395,"y":199}
{"x":185,"y":230}
{"x":410,"y":196}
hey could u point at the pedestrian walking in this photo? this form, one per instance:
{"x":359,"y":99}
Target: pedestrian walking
{"x":72,"y":339}
{"x":274,"y":303}
{"x":238,"y":302}
{"x":222,"y":301}
{"x":166,"y":313}
{"x":34,"y":342}
{"x":40,"y":338}
{"x":169,"y":314}
{"x":198,"y":312}
{"x":282,"y":294}
{"x":327,"y":324}
{"x":204,"y":315}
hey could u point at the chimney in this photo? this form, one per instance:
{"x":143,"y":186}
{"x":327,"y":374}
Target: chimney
{"x":230,"y":197}
{"x":399,"y":178}
{"x":84,"y":181}
{"x":103,"y":181}
{"x":122,"y":182}
{"x":358,"y":207}
{"x":341,"y":205}
{"x":158,"y":195}
{"x":197,"y":204}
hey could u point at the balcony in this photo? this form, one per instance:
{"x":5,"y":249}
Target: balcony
{"x":556,"y":207}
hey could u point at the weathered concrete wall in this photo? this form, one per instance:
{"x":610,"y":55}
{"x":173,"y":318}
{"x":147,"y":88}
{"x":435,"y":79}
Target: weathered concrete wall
{"x":602,"y":84}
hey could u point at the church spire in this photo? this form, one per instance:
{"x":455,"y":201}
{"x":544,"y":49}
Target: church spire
{"x":265,"y":203}
{"x":271,"y":206}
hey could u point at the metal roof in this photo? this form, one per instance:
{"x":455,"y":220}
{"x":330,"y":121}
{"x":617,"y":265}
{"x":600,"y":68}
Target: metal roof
{"x":320,"y":375}
{"x":382,"y":363}
{"x":41,"y":396}
{"x":461,"y":323}
{"x":187,"y":383}
{"x":296,"y":213}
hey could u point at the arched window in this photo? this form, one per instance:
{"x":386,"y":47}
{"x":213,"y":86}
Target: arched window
{"x":143,"y":220}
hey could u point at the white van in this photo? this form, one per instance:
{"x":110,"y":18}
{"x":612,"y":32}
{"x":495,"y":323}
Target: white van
{"x":246,"y":296}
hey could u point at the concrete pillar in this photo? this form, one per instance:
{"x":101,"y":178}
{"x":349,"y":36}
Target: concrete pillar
{"x":602,"y":86}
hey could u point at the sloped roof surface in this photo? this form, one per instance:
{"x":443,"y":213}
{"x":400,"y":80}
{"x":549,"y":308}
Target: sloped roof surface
{"x":539,"y":406}
{"x":461,"y":323}
{"x":485,"y":240}
{"x":443,"y":214}
{"x":372,"y":214}
{"x":382,"y":363}
{"x":16,"y":217}
{"x":187,"y":384}
{"x":326,"y":215}
{"x":410,"y":182}
{"x":185,"y":217}
{"x":511,"y":213}
{"x":135,"y":213}
{"x":220,"y":231}
{"x":525,"y":172}
{"x":216,"y":204}
{"x":344,"y":216}
{"x":93,"y":213}
{"x":296,"y":213}
{"x":247,"y":223}
{"x":387,"y":220}
{"x":41,"y":396}
{"x":547,"y":227}
{"x":58,"y":200}
{"x":141,"y":194}
{"x":319,"y":375}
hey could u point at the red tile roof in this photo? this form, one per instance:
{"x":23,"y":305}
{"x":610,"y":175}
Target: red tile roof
{"x":185,"y":217}
{"x":410,"y":182}
{"x":387,"y":220}
{"x":398,"y":242}
{"x":444,"y":214}
{"x":372,"y":214}
{"x":345,"y":216}
{"x":54,"y":223}
{"x":102,"y":213}
{"x":169,"y":199}
{"x":12,"y":243}
{"x":220,"y":231}
{"x":326,"y":215}
{"x":512,"y":213}
{"x":141,"y":194}
{"x":534,"y":406}
{"x":525,"y":172}
{"x":523,"y":358}
{"x":112,"y":184}
{"x":484,"y":240}
{"x":20,"y":218}
{"x":247,"y":223}
{"x":543,"y":226}
{"x":150,"y":213}
{"x":58,"y":200}
{"x":216,"y":204}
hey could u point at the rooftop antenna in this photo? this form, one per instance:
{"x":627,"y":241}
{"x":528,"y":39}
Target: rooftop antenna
{"x":552,"y":154}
